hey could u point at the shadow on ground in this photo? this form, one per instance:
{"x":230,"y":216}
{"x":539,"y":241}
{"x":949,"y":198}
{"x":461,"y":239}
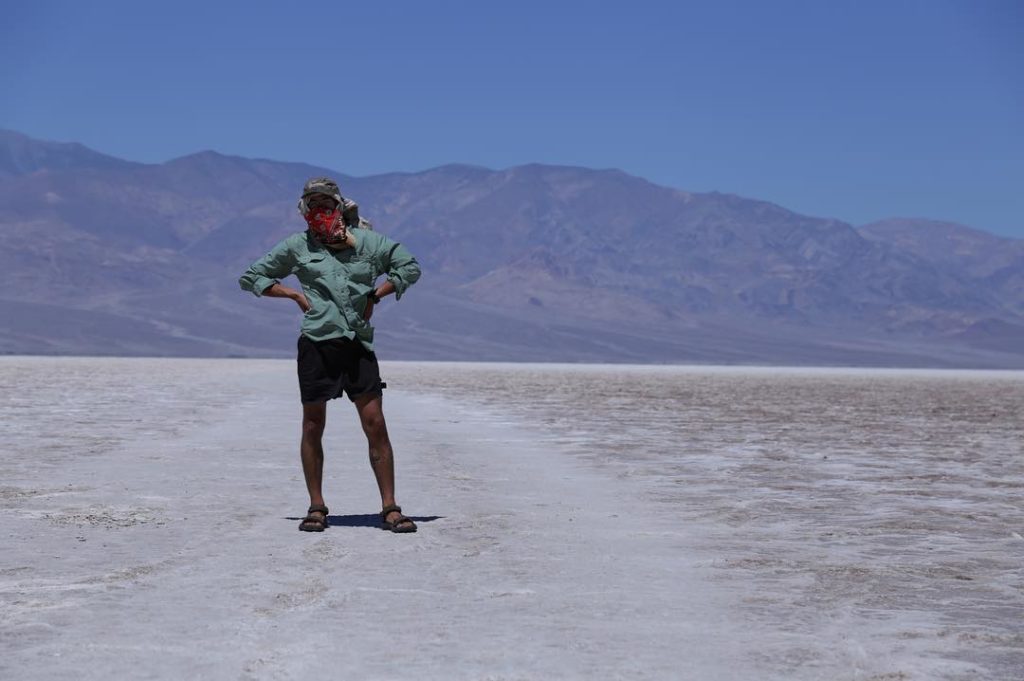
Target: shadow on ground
{"x":368,"y":519}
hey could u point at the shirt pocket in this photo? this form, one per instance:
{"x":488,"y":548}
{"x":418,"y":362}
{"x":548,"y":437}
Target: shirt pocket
{"x":312,"y":266}
{"x":361,"y":271}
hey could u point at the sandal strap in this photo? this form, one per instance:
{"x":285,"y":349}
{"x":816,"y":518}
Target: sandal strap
{"x":320,"y":508}
{"x":390,"y":509}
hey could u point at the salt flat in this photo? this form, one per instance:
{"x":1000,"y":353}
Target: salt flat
{"x":575,"y":522}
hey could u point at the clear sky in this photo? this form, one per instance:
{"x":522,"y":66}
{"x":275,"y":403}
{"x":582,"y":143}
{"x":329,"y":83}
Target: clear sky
{"x":857,"y":110}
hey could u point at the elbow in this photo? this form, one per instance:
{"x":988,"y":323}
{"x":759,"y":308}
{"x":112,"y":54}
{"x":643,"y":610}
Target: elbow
{"x":413,"y":275}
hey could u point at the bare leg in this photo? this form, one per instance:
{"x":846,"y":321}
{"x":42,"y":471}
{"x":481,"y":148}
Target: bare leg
{"x":314,"y":418}
{"x":382,"y":459}
{"x":371,"y":416}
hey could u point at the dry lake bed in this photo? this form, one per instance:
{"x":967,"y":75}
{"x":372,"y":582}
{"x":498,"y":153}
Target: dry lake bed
{"x":576,"y":522}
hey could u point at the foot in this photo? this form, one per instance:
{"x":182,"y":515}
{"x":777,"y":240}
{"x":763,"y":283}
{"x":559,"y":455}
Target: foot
{"x":392,"y":519}
{"x":315,"y":520}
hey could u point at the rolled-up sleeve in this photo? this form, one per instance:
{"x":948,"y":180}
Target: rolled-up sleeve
{"x":269,"y":269}
{"x":402,"y":269}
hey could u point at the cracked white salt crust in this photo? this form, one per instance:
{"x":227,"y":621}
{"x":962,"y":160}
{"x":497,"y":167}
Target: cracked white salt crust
{"x":575,"y":522}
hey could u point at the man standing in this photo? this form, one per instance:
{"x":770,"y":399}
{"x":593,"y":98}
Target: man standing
{"x":338,"y":265}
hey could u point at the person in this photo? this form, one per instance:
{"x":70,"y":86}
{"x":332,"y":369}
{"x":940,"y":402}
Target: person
{"x":338,"y":265}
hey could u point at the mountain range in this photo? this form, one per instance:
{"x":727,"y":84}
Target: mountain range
{"x":532,"y":263}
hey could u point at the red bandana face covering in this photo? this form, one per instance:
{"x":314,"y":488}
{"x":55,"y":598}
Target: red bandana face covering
{"x":326,"y":225}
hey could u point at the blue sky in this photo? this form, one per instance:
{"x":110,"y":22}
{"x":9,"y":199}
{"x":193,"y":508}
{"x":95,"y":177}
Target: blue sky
{"x":854,"y":110}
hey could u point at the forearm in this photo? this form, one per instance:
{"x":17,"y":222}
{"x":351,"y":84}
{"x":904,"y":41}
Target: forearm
{"x":278,"y":290}
{"x":385,"y":289}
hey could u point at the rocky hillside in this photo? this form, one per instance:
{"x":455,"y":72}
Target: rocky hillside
{"x":529,"y":263}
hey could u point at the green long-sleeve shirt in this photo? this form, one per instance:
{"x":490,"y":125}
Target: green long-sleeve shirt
{"x":336,"y":283}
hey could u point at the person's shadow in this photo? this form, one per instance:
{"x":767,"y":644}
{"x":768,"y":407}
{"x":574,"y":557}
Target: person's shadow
{"x":368,"y":520}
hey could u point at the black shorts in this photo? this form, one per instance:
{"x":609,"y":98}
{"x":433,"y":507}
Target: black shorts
{"x":332,"y":367}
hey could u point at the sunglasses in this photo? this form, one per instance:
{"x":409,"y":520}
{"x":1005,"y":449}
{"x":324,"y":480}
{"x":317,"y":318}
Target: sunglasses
{"x":320,"y":201}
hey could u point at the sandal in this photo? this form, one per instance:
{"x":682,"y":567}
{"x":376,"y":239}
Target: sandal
{"x":313,"y":523}
{"x":403,"y":524}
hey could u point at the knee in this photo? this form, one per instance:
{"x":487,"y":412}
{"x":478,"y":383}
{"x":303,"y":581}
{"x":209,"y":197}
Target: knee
{"x":374,"y":427}
{"x":312,"y":427}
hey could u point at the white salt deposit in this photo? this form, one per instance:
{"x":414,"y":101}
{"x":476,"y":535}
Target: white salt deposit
{"x":575,"y":522}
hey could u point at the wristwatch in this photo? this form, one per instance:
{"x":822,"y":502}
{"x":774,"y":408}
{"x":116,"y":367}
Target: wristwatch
{"x":372,"y":296}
